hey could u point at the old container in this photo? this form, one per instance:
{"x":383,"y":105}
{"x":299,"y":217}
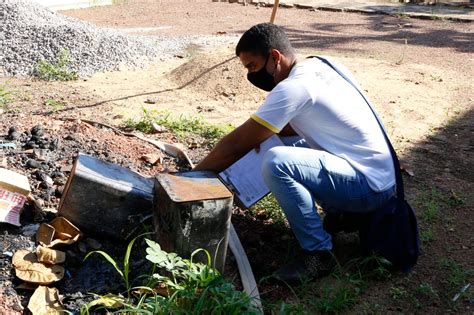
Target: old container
{"x":104,"y":198}
{"x":192,"y":210}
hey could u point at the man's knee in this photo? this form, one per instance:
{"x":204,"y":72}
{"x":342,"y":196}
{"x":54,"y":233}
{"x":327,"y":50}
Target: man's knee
{"x":273,"y":162}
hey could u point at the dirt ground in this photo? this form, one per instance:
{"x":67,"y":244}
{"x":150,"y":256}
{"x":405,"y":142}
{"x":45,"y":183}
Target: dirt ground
{"x":418,"y":74}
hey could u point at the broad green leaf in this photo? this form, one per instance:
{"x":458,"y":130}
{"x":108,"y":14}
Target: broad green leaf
{"x":153,"y":245}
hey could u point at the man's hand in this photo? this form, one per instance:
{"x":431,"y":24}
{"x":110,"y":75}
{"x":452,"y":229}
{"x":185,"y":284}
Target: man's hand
{"x":235,"y":145}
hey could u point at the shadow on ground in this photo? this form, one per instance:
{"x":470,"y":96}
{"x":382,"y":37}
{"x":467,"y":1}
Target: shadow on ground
{"x":441,"y":192}
{"x":383,"y":28}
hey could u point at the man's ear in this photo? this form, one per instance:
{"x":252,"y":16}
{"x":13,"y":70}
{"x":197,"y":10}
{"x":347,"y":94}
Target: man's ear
{"x":276,"y":55}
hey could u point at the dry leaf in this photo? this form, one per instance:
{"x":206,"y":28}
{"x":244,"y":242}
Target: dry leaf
{"x":45,"y":301}
{"x":28,"y":268}
{"x":65,"y":229}
{"x":50,"y":256}
{"x":58,"y":231}
{"x":45,"y":234}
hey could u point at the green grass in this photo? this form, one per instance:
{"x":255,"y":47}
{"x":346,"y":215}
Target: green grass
{"x":56,"y":71}
{"x":431,"y":211}
{"x":429,"y":205}
{"x":6,"y":97}
{"x":456,"y":199}
{"x":54,"y":105}
{"x":457,"y":275}
{"x":272,"y":210}
{"x":184,"y":127}
{"x":427,"y":236}
{"x":398,"y":293}
{"x":337,"y":298}
{"x":427,"y":291}
{"x":337,"y":293}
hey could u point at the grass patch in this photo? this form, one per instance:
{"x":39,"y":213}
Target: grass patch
{"x":427,"y":291}
{"x":6,"y":97}
{"x":430,"y":204}
{"x":271,"y":209}
{"x":455,"y":279}
{"x":56,"y":71}
{"x":456,"y":199}
{"x":337,"y":298}
{"x":54,"y":105}
{"x":337,"y":293}
{"x":398,"y":293}
{"x":427,"y":236}
{"x":184,"y":127}
{"x":457,"y":275}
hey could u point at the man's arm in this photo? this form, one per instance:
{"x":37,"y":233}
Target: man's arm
{"x":235,"y":145}
{"x":287,"y":131}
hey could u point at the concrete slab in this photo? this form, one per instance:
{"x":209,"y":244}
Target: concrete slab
{"x":57,"y":5}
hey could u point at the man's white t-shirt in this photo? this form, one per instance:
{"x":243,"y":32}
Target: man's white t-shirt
{"x":330,"y":114}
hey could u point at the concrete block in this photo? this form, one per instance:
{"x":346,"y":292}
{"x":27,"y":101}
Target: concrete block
{"x":192,"y":210}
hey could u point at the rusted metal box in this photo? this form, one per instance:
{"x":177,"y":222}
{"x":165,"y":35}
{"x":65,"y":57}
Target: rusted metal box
{"x":104,"y":198}
{"x":192,"y":210}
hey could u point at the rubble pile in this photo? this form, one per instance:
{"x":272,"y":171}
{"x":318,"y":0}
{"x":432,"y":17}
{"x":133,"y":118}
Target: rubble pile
{"x":31,"y":33}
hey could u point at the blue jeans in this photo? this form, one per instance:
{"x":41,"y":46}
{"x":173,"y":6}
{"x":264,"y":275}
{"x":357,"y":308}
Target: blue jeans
{"x":299,"y":177}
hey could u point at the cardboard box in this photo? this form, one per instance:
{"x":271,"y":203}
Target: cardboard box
{"x":14,"y":190}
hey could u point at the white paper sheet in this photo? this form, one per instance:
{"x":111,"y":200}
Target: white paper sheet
{"x":244,"y":177}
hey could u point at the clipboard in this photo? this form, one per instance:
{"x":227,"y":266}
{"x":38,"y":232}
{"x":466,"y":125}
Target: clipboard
{"x":244,"y":177}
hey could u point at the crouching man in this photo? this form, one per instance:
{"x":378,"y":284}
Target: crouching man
{"x":341,"y":160}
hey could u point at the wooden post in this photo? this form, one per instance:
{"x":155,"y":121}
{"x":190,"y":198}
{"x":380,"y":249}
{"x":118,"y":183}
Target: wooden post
{"x":274,"y":11}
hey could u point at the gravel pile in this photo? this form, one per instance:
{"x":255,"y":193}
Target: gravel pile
{"x":30,"y":33}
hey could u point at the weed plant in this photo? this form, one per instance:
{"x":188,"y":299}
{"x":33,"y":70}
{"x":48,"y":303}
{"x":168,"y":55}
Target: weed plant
{"x":176,"y":286}
{"x":57,"y":71}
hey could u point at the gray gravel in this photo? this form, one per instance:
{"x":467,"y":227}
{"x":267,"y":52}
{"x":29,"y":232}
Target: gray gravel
{"x":30,"y":33}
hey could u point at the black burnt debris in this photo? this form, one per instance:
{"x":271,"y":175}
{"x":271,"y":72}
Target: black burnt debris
{"x":45,"y":154}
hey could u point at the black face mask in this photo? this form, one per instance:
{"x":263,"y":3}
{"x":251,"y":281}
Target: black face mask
{"x":262,"y":79}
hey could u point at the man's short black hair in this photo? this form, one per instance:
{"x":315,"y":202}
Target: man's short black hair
{"x":262,"y":38}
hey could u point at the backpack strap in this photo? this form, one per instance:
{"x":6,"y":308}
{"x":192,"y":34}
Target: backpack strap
{"x":396,"y":162}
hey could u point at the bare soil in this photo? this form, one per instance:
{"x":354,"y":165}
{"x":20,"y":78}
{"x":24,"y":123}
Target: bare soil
{"x":418,"y":73}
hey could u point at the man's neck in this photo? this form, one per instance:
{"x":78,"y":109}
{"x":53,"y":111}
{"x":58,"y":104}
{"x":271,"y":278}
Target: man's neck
{"x":287,"y":64}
